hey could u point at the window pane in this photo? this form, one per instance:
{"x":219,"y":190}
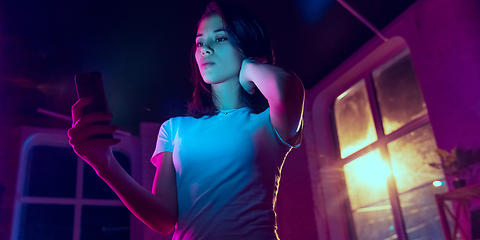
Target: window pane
{"x":420,"y":213}
{"x":410,"y":156}
{"x":374,"y":221}
{"x":51,"y":172}
{"x":41,"y":221}
{"x":366,"y":179}
{"x":94,"y":187}
{"x":367,"y":172}
{"x":353,"y":118}
{"x":398,"y":94}
{"x":106,"y":223}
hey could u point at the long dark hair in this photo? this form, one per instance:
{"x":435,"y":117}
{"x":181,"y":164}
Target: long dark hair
{"x":248,"y":34}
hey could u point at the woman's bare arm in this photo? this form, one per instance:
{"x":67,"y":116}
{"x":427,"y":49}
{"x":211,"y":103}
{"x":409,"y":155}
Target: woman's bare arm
{"x":283,"y":90}
{"x":155,"y":211}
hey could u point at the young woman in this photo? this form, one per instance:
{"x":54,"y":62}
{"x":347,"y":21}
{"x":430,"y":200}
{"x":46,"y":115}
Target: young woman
{"x":218,"y":168}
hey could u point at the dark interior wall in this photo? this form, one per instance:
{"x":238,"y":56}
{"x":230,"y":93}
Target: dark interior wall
{"x":295,"y":206}
{"x":9,"y":159}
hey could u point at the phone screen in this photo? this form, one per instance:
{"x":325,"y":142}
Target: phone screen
{"x":91,"y":84}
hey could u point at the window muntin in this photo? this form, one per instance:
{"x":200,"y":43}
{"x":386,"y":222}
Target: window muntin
{"x":354,"y":121}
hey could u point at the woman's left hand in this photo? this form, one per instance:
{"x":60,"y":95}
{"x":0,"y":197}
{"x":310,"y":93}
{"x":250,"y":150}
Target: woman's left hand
{"x":245,"y":80}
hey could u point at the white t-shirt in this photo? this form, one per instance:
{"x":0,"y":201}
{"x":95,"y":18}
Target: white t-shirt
{"x":227,"y":173}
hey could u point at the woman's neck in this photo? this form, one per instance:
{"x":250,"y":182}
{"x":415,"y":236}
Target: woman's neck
{"x":227,"y":95}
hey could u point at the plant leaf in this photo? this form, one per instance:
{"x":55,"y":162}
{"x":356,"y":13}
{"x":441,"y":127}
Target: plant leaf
{"x":442,"y":153}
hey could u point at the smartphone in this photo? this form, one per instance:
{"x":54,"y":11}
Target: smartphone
{"x":91,"y":84}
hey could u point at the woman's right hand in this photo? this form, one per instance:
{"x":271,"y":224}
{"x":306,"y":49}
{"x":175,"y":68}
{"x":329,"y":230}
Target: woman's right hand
{"x":96,"y":152}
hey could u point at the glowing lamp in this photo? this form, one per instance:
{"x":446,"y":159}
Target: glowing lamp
{"x":437,"y":183}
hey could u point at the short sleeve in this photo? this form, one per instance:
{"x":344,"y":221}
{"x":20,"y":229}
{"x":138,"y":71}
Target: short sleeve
{"x":292,"y":143}
{"x":164,"y":139}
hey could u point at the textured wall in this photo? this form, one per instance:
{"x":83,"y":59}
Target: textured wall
{"x":444,"y":37}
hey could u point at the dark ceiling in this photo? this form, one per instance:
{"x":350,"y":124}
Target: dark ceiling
{"x":142,"y":49}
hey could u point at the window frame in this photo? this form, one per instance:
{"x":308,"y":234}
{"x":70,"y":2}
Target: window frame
{"x":324,"y":156}
{"x":36,"y":136}
{"x":381,"y":144}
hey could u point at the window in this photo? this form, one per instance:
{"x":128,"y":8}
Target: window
{"x":59,"y":196}
{"x":385,"y":143}
{"x":354,"y":121}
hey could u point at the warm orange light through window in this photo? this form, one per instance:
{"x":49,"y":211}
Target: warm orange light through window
{"x":370,"y":137}
{"x":366,"y":179}
{"x":354,"y":120}
{"x":373,"y":171}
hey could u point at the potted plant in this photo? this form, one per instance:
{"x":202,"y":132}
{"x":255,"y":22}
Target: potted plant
{"x":457,"y":163}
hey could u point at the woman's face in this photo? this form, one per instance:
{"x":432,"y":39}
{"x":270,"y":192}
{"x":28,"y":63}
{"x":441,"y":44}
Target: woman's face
{"x":217,"y":59}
